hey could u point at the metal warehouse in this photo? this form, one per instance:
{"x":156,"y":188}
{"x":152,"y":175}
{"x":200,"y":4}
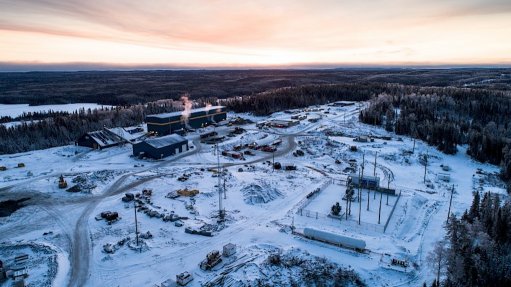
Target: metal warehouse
{"x":99,"y":139}
{"x":164,"y":124}
{"x":161,"y":147}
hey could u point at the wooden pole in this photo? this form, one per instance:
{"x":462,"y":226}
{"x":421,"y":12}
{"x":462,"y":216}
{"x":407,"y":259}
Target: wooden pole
{"x":136,"y":222}
{"x":379,"y":211}
{"x":450,"y":203}
{"x":220,"y":204}
{"x":225,"y":190}
{"x":375,"y":156}
{"x":425,"y":165}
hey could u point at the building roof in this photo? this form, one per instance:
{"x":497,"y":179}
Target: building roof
{"x":365,"y":177}
{"x":126,"y":135}
{"x":105,"y":137}
{"x":174,"y":114}
{"x":165,"y":141}
{"x":283,"y":122}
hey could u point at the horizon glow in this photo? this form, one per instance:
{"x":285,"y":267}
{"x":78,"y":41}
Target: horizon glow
{"x":222,"y":33}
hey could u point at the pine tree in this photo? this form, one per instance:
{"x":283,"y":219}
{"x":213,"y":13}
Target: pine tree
{"x":474,"y":208}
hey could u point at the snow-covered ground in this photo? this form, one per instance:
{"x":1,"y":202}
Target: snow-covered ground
{"x":262,"y":205}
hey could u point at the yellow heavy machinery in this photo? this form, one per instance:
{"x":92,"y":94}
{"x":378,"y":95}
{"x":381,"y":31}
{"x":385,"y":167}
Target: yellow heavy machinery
{"x":187,"y":192}
{"x":62,"y":182}
{"x":212,"y":259}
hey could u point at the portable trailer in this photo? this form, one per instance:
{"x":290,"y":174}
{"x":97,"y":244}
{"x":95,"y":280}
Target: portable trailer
{"x":184,"y":278}
{"x":335,"y":239}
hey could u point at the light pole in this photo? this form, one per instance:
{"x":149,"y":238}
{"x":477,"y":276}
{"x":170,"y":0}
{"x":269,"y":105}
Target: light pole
{"x":136,"y":222}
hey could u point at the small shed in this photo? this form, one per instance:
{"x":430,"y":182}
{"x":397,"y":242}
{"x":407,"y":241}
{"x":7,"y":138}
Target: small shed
{"x":229,"y":249}
{"x":444,"y":176}
{"x":161,"y":147}
{"x":184,"y":278}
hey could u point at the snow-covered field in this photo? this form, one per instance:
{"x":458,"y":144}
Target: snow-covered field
{"x":262,"y":206}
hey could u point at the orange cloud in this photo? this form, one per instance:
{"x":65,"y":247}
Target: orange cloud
{"x":255,"y":32}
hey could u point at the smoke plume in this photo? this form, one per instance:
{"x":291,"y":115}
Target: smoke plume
{"x":187,"y":104}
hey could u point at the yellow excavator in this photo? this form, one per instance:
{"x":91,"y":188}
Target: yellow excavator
{"x":62,"y":182}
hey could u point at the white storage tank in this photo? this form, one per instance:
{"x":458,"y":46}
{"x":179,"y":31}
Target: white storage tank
{"x":334,"y":238}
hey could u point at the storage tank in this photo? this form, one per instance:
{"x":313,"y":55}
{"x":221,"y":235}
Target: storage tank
{"x":334,"y":238}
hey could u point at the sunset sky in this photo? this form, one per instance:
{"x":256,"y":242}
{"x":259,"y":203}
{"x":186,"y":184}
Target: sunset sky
{"x":222,"y":33}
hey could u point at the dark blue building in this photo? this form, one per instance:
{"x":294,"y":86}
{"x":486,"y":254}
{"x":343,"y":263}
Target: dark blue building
{"x":164,"y":124}
{"x":161,"y":147}
{"x":369,"y":182}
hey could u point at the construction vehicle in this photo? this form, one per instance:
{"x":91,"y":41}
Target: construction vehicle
{"x":212,"y":259}
{"x":235,"y":155}
{"x":187,"y":192}
{"x":267,"y":148}
{"x":3,"y":168}
{"x":290,"y":167}
{"x":62,"y":182}
{"x":21,"y":164}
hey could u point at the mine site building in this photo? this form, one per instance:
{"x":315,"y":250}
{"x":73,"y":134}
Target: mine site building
{"x":100,"y":139}
{"x":161,"y":147}
{"x":229,"y":249}
{"x":164,"y":124}
{"x":283,"y":123}
{"x":342,"y":104}
{"x":370,"y":182}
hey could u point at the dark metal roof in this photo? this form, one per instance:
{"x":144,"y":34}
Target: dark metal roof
{"x":166,"y":141}
{"x":174,"y":114}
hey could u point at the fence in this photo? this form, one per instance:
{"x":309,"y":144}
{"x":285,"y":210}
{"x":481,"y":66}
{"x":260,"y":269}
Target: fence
{"x":392,"y":212}
{"x":314,"y":194}
{"x":341,"y":219}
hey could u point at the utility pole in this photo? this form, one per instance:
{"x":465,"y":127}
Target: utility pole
{"x":347,"y":205}
{"x":450,"y":202}
{"x":225,"y":189}
{"x":425,"y":165}
{"x":352,"y":192}
{"x":379,"y":210}
{"x":359,"y":180}
{"x":413,"y":150}
{"x":374,"y":194}
{"x":220,"y":204}
{"x":359,"y":188}
{"x":368,"y":191}
{"x":375,"y":156}
{"x":359,"y":198}
{"x":136,"y":222}
{"x":388,"y":189}
{"x":273,"y":158}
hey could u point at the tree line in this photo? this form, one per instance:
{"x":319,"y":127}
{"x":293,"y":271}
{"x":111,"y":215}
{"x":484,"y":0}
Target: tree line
{"x":280,"y":99}
{"x":448,"y":117}
{"x":476,"y":250}
{"x":57,"y":129}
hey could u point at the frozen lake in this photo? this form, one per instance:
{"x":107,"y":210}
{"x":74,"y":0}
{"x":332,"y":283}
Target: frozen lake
{"x":16,"y":110}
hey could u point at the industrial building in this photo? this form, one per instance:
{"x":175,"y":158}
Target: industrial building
{"x":370,"y":182}
{"x":99,"y":139}
{"x":164,"y":124}
{"x":283,"y":123}
{"x":161,"y":147}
